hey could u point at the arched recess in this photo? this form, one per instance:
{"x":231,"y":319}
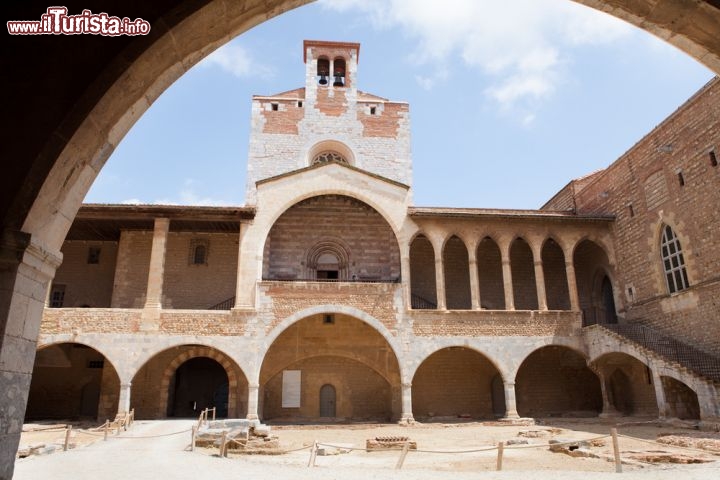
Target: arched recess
{"x":457,"y":274}
{"x":153,"y":386}
{"x":330,"y":349}
{"x":628,"y":383}
{"x":331,"y":237}
{"x":423,"y":290}
{"x":72,"y":380}
{"x":490,"y":275}
{"x":340,"y":148}
{"x":457,"y":382}
{"x":556,"y":381}
{"x":523,"y":275}
{"x":680,"y":400}
{"x":556,"y":285}
{"x":594,"y":283}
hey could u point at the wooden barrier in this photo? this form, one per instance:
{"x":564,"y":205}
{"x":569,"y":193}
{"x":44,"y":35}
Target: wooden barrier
{"x":313,"y":454}
{"x":501,"y":450}
{"x":192,"y":438}
{"x":107,"y":429}
{"x":223,"y":444}
{"x":67,"y":438}
{"x":403,"y":454}
{"x":616,"y":450}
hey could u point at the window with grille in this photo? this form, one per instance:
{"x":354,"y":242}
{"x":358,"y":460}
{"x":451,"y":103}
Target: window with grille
{"x":93,"y":255}
{"x":326,"y":157}
{"x":199,"y":249}
{"x":673,"y":261}
{"x":57,"y":296}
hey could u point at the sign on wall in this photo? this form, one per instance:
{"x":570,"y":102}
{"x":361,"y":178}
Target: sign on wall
{"x":291,"y":389}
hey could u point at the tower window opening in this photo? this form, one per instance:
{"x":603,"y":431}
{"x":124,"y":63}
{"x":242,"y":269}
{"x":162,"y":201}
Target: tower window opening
{"x":274,"y":107}
{"x":681,"y":178}
{"x":631,"y":210}
{"x":339,"y":72}
{"x":299,"y":103}
{"x":323,"y":71}
{"x":713,"y":158}
{"x":373,"y":110}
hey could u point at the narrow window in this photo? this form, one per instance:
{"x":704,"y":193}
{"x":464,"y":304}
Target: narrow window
{"x":323,"y":71}
{"x":673,"y":261}
{"x":681,"y":179}
{"x":713,"y":159}
{"x":57,"y":296}
{"x":299,"y":104}
{"x":93,"y":255}
{"x":328,"y":319}
{"x":274,"y":107}
{"x":198,"y":254}
{"x":339,"y":72}
{"x":373,"y":110}
{"x":199,"y":257}
{"x":631,"y":210}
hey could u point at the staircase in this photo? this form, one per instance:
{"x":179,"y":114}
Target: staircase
{"x":419,"y":303}
{"x":670,"y":349}
{"x":224,"y":305}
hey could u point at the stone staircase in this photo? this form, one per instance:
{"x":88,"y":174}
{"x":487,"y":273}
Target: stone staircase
{"x":224,"y":305}
{"x":673,"y":351}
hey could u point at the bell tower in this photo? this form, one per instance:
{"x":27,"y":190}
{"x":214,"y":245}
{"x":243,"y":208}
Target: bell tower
{"x":330,"y":70}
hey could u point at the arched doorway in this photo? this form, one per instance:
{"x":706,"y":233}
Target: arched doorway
{"x":327,"y":364}
{"x":595,"y":291}
{"x":555,"y":381}
{"x":72,"y":381}
{"x":681,"y":401}
{"x":197,"y":384}
{"x":629,"y":384}
{"x":456,"y":382}
{"x":183,"y":380}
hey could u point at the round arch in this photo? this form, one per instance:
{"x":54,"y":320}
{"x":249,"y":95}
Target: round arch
{"x":330,"y":145}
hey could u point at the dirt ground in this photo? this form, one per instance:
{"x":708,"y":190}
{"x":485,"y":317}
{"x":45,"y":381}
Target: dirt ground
{"x":466,"y":446}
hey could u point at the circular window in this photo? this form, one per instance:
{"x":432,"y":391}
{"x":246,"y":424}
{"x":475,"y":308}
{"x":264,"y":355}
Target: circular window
{"x":325,"y":157}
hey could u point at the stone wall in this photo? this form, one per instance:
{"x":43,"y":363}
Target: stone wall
{"x":87,"y":284}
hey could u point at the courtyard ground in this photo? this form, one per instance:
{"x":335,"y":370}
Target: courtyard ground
{"x":153,"y":448}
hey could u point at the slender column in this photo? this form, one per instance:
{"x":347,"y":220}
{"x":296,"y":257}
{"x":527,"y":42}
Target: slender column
{"x":474,"y":281}
{"x":572,"y":286}
{"x":608,"y":409}
{"x":241,"y":267}
{"x":405,"y":277}
{"x":540,"y":284}
{"x":510,"y":402}
{"x":26,"y":269}
{"x":507,"y":280}
{"x":407,"y":414}
{"x":253,"y":398}
{"x":659,"y":394}
{"x":440,"y":279}
{"x":153,"y":298}
{"x":124,"y":400}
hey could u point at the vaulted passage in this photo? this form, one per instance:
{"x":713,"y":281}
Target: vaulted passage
{"x":72,"y":381}
{"x":183,"y":380}
{"x":331,"y":237}
{"x":555,"y":381}
{"x":595,"y":290}
{"x":329,"y":353}
{"x":457,"y":382}
{"x":628,"y":383}
{"x":681,"y":400}
{"x":422,"y":274}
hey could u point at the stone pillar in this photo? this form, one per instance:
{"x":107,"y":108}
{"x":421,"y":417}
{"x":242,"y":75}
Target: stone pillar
{"x":510,"y":402}
{"x":26,"y":269}
{"x":407,"y":414}
{"x":240,"y":295}
{"x":440,"y":279}
{"x":124,"y":400}
{"x":608,"y":409}
{"x":474,"y":281}
{"x":153,"y":299}
{"x":405,"y":276}
{"x":540,"y":284}
{"x":253,"y":398}
{"x":572,"y":286}
{"x":507,"y":280}
{"x":659,"y":394}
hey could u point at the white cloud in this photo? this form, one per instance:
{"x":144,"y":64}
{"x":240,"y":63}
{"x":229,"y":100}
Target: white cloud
{"x":184,"y":197}
{"x":520,"y":46}
{"x":235,"y":59}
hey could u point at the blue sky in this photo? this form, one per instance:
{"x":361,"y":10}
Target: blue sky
{"x":506,"y":107}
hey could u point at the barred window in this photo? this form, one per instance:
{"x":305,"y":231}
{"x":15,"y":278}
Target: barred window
{"x":673,"y":261}
{"x":199,"y":249}
{"x":57,"y":296}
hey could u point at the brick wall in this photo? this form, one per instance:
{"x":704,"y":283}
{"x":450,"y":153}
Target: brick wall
{"x":646,"y":177}
{"x":430,"y":323}
{"x":452,"y":382}
{"x":457,"y":275}
{"x":87,"y":284}
{"x":350,"y":225}
{"x":131,"y":272}
{"x":555,"y":381}
{"x":190,"y":286}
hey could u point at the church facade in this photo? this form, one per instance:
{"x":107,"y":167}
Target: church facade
{"x":330,"y":296}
